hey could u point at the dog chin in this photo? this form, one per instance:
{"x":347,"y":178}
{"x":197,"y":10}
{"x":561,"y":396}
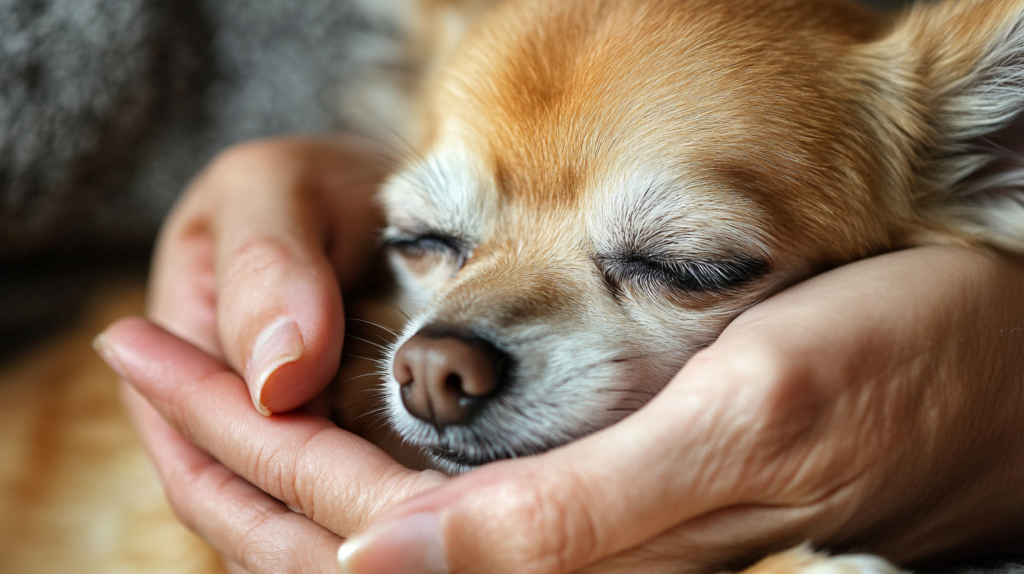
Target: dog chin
{"x":455,"y":463}
{"x":456,"y":457}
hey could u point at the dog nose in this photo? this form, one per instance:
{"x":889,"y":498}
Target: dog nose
{"x":445,"y":377}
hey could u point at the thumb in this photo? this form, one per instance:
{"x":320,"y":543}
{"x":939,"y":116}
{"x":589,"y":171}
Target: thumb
{"x":571,"y":507}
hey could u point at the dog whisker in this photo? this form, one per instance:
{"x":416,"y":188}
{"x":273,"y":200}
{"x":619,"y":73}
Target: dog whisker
{"x":359,"y":403}
{"x":388,"y":300}
{"x":371,"y":359}
{"x":368,"y":342}
{"x":374,"y":324}
{"x":372,"y":413}
{"x":339,"y":384}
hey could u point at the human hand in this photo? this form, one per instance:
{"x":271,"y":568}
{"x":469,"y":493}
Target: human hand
{"x":270,"y":494}
{"x":261,"y":239}
{"x":878,"y":406}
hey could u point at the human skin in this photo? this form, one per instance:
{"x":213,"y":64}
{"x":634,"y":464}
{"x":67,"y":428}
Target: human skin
{"x":836,"y":408}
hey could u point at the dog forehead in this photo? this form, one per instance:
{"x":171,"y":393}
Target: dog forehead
{"x":762,"y":97}
{"x":565,"y":82}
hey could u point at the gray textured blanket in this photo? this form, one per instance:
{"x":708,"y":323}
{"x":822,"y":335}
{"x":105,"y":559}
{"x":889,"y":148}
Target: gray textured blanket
{"x":108,"y":107}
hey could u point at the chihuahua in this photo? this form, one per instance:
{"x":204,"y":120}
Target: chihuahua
{"x":604,"y":185}
{"x":601,"y":186}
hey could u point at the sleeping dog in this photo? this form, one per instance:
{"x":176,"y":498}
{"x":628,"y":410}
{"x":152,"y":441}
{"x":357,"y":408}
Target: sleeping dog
{"x":601,"y":186}
{"x":604,"y":185}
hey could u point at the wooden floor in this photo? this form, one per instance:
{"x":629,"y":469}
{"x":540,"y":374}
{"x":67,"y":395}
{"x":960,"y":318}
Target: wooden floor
{"x":76,"y":491}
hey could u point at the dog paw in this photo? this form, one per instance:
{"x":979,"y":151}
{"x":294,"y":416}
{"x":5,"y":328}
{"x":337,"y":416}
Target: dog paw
{"x":804,"y":561}
{"x":851,"y":564}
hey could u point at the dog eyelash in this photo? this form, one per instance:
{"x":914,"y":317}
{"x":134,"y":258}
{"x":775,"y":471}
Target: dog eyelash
{"x":419,"y":245}
{"x":685,"y":276}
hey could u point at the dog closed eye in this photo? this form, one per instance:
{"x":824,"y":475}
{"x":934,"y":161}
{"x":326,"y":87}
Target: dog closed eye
{"x":652,"y":273}
{"x":417,"y":245}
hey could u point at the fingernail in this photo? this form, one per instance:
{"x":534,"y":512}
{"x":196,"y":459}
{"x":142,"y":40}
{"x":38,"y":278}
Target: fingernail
{"x":412,"y":545}
{"x":279,"y":344}
{"x":105,"y":350}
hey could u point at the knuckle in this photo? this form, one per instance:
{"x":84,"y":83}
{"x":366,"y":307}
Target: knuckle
{"x":255,"y":256}
{"x":777,"y":407}
{"x":261,"y":543}
{"x":187,"y":224}
{"x":178,"y":499}
{"x":764,"y":376}
{"x":579,"y":540}
{"x":232,"y":174}
{"x":760,"y":362}
{"x":182,"y":414}
{"x":186,"y":221}
{"x":260,"y":537}
{"x":295,"y":478}
{"x":267,"y":545}
{"x":268,"y":471}
{"x":561,"y":534}
{"x":305,"y":485}
{"x":258,"y":547}
{"x":278,"y":561}
{"x":180,"y":488}
{"x":365,"y":499}
{"x":271,"y":165}
{"x":790,"y":395}
{"x":259,"y":156}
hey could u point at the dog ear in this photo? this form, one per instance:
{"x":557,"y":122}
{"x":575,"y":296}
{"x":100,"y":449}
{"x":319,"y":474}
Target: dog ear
{"x":420,"y":36}
{"x":967,"y":57}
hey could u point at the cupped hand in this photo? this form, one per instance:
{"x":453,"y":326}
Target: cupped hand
{"x":879,"y":407}
{"x":248,"y":268}
{"x":212,"y":447}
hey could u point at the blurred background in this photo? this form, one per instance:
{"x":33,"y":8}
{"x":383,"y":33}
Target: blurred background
{"x":109,"y":107}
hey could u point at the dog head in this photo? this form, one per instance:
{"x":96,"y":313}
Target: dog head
{"x":603,"y":185}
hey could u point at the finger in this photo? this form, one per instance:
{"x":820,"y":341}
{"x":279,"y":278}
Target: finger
{"x":568,"y":508}
{"x":279,"y":207}
{"x":741,"y":424}
{"x":182,"y":285}
{"x":237,"y":519}
{"x":335,"y":478}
